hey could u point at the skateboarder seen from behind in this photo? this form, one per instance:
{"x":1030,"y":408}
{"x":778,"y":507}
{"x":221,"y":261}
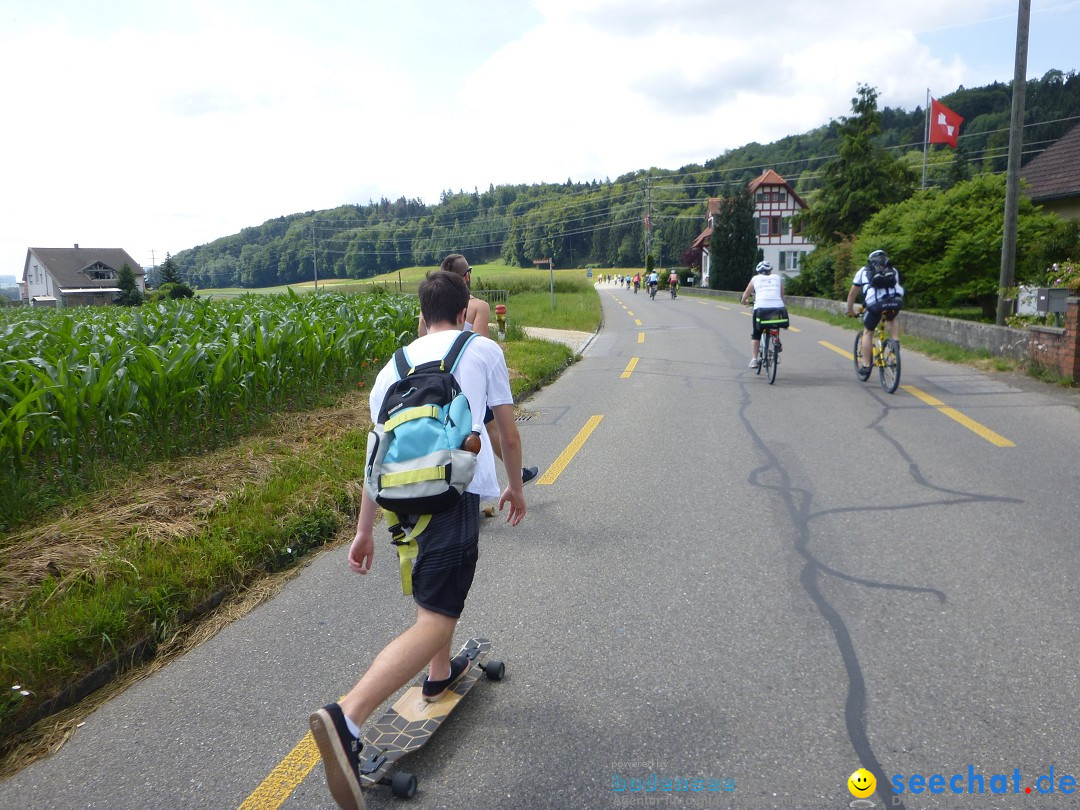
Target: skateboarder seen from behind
{"x":448,"y":547}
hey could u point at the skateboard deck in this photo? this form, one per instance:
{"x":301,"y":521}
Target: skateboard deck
{"x":411,"y":721}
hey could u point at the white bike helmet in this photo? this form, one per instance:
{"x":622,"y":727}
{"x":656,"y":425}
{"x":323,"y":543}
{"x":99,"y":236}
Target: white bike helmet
{"x":879,"y":258}
{"x":764,"y":268}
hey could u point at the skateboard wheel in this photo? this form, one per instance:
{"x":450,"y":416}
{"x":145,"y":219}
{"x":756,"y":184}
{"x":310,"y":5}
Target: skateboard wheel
{"x":403,"y":785}
{"x":495,"y":670}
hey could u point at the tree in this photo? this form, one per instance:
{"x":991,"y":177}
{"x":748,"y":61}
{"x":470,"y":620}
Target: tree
{"x":862,"y":180}
{"x":130,"y":294}
{"x":733,"y":248}
{"x":169,"y":272}
{"x":947,"y":244}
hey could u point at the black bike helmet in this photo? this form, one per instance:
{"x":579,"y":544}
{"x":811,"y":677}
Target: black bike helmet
{"x":879,"y":258}
{"x":764,"y":268}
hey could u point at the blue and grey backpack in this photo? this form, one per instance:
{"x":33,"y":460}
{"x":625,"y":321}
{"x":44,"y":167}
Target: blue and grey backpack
{"x":415,"y":464}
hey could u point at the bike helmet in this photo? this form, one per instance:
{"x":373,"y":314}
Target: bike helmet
{"x":879,"y":258}
{"x":764,"y":268}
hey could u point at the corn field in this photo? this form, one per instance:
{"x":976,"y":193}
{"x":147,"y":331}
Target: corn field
{"x":81,"y":386}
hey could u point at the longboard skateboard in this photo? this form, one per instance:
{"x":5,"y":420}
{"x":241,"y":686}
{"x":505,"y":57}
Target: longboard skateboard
{"x":411,"y":721}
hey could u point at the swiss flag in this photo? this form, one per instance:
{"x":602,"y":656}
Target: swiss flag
{"x":944,"y":124}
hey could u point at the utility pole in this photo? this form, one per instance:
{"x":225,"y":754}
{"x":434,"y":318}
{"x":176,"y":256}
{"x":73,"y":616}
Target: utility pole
{"x":1012,"y":176}
{"x":314,"y":257}
{"x":648,"y":217}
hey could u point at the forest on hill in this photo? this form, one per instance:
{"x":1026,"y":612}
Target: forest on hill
{"x":602,"y":223}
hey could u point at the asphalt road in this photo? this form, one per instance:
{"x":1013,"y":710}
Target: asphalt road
{"x":757,"y":587}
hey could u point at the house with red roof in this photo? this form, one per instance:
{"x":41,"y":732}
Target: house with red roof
{"x":775,"y":203}
{"x":1053,"y":177}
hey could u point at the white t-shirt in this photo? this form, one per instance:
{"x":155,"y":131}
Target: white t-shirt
{"x":871,"y":294}
{"x":481,"y":373}
{"x":767,"y":291}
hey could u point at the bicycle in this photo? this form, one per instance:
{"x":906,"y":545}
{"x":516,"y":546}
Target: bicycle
{"x":769,"y":351}
{"x":674,"y":290}
{"x":652,"y":291}
{"x":886,"y":358}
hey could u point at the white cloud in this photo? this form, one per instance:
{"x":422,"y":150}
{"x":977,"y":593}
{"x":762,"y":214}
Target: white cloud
{"x":176,"y":125}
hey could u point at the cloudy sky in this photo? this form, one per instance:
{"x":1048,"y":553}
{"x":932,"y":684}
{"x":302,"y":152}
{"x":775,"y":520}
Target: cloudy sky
{"x":159,"y":126}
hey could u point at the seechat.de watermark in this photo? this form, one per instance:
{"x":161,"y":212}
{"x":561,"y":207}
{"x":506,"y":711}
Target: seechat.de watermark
{"x":975,"y":783}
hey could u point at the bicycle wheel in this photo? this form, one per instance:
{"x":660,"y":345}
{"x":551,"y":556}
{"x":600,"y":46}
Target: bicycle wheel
{"x":857,"y":354}
{"x":772,"y":360}
{"x":763,"y":351}
{"x":890,"y":365}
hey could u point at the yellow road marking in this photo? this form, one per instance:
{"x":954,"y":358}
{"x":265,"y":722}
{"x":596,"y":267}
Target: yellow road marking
{"x":285,"y":778}
{"x":955,"y":415}
{"x":721,"y":306}
{"x":637,"y":321}
{"x":567,"y":455}
{"x":747,"y":314}
{"x":629,"y":368}
{"x":631,"y":314}
{"x":846,"y":352}
{"x":640,"y":337}
{"x":794,"y":329}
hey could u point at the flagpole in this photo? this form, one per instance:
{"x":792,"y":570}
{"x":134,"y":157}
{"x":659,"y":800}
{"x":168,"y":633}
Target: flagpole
{"x":926,"y":137}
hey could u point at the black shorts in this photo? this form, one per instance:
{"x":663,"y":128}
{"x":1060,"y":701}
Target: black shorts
{"x":489,"y":416}
{"x":446,"y":561}
{"x":887,"y":308}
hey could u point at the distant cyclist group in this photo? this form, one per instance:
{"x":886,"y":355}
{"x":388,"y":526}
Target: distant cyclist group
{"x":877,"y":282}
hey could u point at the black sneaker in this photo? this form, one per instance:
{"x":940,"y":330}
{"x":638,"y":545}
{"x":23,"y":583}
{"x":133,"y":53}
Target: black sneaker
{"x":433,"y":690}
{"x":864,"y":373}
{"x":528,"y":474}
{"x":340,"y":752}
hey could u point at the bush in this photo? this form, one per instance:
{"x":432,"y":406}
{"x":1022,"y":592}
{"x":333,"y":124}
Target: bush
{"x":171,"y":290}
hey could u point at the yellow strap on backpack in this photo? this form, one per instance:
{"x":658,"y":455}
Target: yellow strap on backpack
{"x":407,"y":547}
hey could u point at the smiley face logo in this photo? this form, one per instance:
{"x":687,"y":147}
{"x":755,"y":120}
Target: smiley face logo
{"x":861,"y":783}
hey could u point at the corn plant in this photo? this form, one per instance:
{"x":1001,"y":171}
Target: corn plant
{"x":79,"y":387}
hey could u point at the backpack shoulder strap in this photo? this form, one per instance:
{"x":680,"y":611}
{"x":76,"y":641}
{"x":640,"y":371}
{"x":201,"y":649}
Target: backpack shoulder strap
{"x":402,"y":363}
{"x":450,"y":359}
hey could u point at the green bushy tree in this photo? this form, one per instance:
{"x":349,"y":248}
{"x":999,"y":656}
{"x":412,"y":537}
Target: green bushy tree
{"x":733,"y":247}
{"x":947,"y":244}
{"x":130,"y":294}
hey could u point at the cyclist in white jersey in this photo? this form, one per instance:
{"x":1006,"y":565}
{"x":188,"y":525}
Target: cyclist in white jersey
{"x":768,"y":292}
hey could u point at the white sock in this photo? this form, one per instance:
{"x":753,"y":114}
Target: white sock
{"x":353,"y":728}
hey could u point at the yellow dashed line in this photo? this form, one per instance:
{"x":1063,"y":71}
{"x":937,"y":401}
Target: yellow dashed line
{"x":637,"y":321}
{"x":846,"y":352}
{"x":721,"y":306}
{"x":956,"y":416}
{"x":629,"y":368}
{"x":640,"y":337}
{"x":285,"y":778}
{"x":567,"y":455}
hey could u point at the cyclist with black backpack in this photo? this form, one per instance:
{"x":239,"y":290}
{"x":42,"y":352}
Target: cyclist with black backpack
{"x":883,"y":297}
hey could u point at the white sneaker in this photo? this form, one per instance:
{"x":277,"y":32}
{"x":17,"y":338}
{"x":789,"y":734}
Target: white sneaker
{"x":755,"y":362}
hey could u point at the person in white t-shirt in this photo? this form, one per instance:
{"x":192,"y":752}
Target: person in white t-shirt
{"x":448,"y":548}
{"x":477,"y":319}
{"x":768,"y":292}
